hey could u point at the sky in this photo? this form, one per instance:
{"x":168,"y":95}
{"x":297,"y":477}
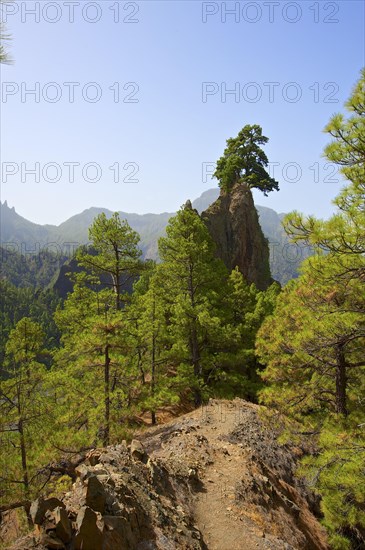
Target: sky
{"x":128,"y":105}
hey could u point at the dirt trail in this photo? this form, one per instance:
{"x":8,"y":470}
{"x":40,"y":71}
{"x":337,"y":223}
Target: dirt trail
{"x":245,"y":496}
{"x":223,"y":525}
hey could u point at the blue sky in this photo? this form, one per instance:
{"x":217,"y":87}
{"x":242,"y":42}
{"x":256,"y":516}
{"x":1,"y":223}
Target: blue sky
{"x":173,"y":63}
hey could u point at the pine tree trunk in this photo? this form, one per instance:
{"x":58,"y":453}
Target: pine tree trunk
{"x":194,"y":344}
{"x":23,"y":451}
{"x":143,"y":379}
{"x":195,"y":359}
{"x":341,"y":381}
{"x":117,"y":280}
{"x":153,"y":374}
{"x":116,"y":288}
{"x":107,"y":397}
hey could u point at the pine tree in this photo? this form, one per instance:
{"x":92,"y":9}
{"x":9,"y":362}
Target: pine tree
{"x":313,"y":348}
{"x":194,"y":280}
{"x":246,"y":308}
{"x":116,"y":253}
{"x":313,"y":345}
{"x":149,"y":315}
{"x":244,"y":161}
{"x":94,"y":365}
{"x":17,"y":303}
{"x":93,"y":372}
{"x":25,"y":413}
{"x":336,"y":471}
{"x":344,"y":233}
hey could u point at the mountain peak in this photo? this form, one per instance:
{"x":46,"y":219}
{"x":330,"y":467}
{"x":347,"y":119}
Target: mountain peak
{"x":5,"y":206}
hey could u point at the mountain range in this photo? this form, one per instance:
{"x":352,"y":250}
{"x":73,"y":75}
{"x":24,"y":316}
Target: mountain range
{"x":25,"y":237}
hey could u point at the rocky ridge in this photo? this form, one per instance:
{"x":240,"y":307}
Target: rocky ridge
{"x":215,"y":478}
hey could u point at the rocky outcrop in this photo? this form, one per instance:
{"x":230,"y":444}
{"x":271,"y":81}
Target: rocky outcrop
{"x":122,"y":499}
{"x":215,"y":478}
{"x":233,"y":223}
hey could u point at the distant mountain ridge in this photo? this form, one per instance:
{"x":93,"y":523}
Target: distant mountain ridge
{"x":23,"y":236}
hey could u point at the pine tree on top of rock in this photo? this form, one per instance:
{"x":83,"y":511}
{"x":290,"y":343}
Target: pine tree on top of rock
{"x":244,"y":161}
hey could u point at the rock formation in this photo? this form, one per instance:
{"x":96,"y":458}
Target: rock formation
{"x":233,"y":223}
{"x":215,"y":478}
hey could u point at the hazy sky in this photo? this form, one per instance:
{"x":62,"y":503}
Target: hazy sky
{"x":131,"y":105}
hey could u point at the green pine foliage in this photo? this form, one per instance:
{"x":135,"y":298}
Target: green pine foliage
{"x":313,"y":344}
{"x":93,"y":372}
{"x":337,"y":471}
{"x":29,"y":269}
{"x":344,"y":233}
{"x":148,"y":316}
{"x":117,"y":254}
{"x":95,"y":366}
{"x":25,"y":413}
{"x":39,"y":305}
{"x":193,"y":280}
{"x":244,"y":161}
{"x":246,"y":307}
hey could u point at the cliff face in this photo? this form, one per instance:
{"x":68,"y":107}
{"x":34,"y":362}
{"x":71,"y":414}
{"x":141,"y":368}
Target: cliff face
{"x":233,"y":223}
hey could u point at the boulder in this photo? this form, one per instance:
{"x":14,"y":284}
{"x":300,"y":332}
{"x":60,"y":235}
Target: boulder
{"x":93,"y":457}
{"x":118,"y":533}
{"x":41,"y":506}
{"x":82,"y":472}
{"x":88,"y":536}
{"x":95,"y":494}
{"x":137,"y":450}
{"x":51,"y":541}
{"x":62,"y":524}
